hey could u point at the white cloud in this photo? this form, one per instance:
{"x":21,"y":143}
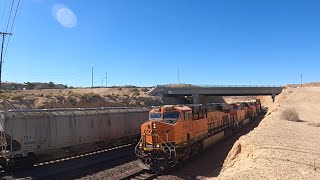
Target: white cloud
{"x":64,"y":16}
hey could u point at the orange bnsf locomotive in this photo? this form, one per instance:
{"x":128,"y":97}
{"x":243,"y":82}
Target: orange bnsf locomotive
{"x":175,"y":132}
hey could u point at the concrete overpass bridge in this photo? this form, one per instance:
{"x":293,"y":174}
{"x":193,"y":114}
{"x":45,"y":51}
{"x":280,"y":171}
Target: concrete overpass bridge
{"x":199,"y":93}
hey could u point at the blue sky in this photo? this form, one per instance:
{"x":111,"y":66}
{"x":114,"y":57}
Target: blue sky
{"x":212,"y":42}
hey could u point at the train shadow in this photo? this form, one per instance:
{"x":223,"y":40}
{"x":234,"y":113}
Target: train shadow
{"x":73,"y":169}
{"x":210,"y":162}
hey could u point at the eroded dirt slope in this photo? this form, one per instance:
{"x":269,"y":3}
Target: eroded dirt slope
{"x":278,"y":148}
{"x":87,"y":97}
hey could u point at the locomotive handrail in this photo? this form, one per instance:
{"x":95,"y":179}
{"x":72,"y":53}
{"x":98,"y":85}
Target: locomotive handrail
{"x":136,"y":147}
{"x":174,"y":149}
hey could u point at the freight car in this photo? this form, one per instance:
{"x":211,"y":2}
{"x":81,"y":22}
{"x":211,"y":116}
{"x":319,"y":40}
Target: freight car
{"x":28,"y":136}
{"x":173,"y":133}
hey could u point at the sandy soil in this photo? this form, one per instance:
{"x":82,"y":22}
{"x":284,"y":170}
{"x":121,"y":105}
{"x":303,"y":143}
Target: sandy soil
{"x":278,"y":148}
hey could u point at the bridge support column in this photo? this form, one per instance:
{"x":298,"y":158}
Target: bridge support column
{"x":199,"y":99}
{"x":273,"y":97}
{"x":174,"y":100}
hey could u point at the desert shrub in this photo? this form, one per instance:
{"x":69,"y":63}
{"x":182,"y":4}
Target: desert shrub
{"x":59,"y":97}
{"x":130,"y":86}
{"x":16,"y":96}
{"x":135,"y":90}
{"x":4,"y":96}
{"x":145,"y":89}
{"x":90,"y":95}
{"x":136,"y":94}
{"x":109,"y":96}
{"x":48,"y":95}
{"x":290,"y":114}
{"x":74,"y":94}
{"x":41,"y":95}
{"x":314,"y":124}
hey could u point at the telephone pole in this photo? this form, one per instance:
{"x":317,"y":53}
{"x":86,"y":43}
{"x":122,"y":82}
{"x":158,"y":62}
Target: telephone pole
{"x":92,"y":77}
{"x":1,"y":57}
{"x":178,"y":76}
{"x":102,"y":82}
{"x":106,"y":79}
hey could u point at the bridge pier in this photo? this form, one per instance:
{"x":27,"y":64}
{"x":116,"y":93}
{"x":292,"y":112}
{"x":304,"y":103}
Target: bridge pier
{"x":273,"y":97}
{"x":174,"y":100}
{"x":199,"y":99}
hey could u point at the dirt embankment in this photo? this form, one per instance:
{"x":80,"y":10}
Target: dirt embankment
{"x":77,"y":98}
{"x":87,"y":98}
{"x":278,"y":148}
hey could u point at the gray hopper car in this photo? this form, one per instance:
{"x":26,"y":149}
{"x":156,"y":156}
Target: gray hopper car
{"x":28,"y":136}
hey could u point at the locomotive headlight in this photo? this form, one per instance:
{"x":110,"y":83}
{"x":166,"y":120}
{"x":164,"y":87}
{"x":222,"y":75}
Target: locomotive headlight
{"x":140,"y":144}
{"x":154,"y":126}
{"x":158,"y":145}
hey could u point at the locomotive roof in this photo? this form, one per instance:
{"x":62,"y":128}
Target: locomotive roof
{"x":182,"y":108}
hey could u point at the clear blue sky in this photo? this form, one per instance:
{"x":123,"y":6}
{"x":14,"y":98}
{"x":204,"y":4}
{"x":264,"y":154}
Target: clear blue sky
{"x":143,"y":43}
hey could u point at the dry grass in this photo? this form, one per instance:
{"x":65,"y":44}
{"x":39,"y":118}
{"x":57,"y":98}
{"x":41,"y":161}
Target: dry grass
{"x":290,"y":114}
{"x":16,"y":96}
{"x":4,"y":96}
{"x":89,"y":96}
{"x":314,"y":124}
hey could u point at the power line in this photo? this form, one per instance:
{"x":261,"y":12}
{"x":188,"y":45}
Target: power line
{"x":12,"y":25}
{"x":3,"y":13}
{"x":1,"y":55}
{"x":9,"y":15}
{"x":14,"y":17}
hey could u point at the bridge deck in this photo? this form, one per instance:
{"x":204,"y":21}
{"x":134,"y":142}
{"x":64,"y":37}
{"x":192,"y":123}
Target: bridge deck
{"x":216,"y":91}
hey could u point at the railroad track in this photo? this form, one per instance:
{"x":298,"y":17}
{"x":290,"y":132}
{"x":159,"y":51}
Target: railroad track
{"x":66,"y":167}
{"x":141,"y":175}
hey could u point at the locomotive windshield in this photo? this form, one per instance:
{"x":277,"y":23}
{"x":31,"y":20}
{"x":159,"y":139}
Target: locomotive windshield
{"x":171,"y":115}
{"x":155,"y":116}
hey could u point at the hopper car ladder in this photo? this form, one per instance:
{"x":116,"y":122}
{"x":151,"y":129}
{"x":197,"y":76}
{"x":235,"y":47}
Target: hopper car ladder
{"x":5,"y":152}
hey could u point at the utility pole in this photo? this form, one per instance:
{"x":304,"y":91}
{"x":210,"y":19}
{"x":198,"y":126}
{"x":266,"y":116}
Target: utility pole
{"x":1,"y":57}
{"x":106,"y":79}
{"x":92,"y":77}
{"x":178,"y":76}
{"x":102,"y":82}
{"x":301,"y":79}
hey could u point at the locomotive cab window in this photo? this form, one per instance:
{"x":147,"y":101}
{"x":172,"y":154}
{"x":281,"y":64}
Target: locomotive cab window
{"x":155,"y":116}
{"x":171,"y":115}
{"x":187,"y":115}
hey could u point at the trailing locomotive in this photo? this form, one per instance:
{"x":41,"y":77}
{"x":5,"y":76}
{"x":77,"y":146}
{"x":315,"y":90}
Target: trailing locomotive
{"x":175,"y":132}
